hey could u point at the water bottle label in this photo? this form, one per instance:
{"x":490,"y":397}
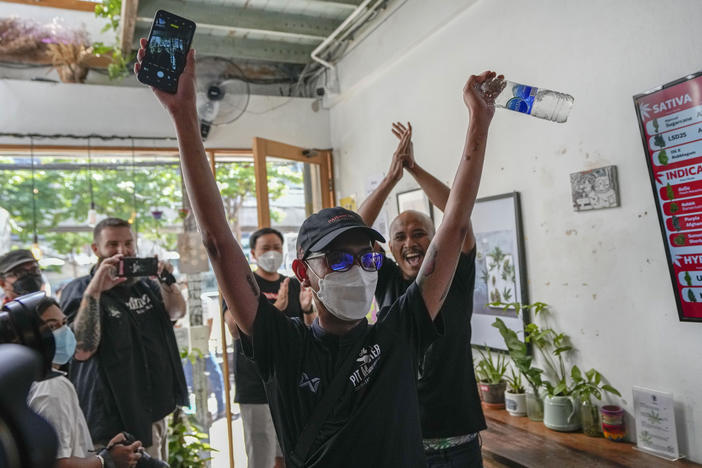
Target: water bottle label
{"x":523,"y":98}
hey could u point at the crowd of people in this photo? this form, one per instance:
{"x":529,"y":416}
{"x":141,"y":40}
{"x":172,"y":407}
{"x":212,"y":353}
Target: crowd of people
{"x":317,"y":385}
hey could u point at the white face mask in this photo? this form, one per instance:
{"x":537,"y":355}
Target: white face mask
{"x":347,"y":295}
{"x":270,"y":261}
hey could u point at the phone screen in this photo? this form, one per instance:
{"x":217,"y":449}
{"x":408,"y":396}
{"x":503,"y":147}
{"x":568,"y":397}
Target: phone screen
{"x":169,"y":43}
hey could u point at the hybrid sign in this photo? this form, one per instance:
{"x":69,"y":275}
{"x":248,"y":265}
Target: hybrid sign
{"x":670,"y":120}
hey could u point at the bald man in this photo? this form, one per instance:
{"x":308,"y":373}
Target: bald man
{"x":450,"y":410}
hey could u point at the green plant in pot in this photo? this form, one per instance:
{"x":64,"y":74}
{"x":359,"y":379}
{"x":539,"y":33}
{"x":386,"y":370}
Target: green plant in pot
{"x":522,"y":360}
{"x":490,"y":371}
{"x":586,"y":388}
{"x":561,"y":404}
{"x":515,"y":395}
{"x":187,"y":446}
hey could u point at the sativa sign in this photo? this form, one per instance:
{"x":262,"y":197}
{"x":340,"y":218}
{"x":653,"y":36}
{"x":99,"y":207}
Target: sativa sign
{"x":671,"y":103}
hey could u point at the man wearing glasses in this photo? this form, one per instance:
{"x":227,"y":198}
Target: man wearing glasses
{"x":449,"y":403}
{"x":19,"y":274}
{"x":300,"y":365}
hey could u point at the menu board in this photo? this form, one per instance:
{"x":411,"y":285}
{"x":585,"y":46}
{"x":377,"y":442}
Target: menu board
{"x":670,"y":120}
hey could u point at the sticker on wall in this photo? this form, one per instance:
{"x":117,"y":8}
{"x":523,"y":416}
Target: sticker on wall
{"x":595,"y":189}
{"x":348,"y":202}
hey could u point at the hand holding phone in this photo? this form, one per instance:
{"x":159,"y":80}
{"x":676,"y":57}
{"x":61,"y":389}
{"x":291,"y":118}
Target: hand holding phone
{"x":166,"y":51}
{"x":130,"y":267}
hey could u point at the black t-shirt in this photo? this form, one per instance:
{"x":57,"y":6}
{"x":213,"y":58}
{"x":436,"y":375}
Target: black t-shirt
{"x":376,"y":420}
{"x":248,"y":385}
{"x":136,"y":376}
{"x":448,"y":393}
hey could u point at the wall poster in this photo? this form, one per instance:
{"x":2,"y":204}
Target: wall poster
{"x":500,"y":272}
{"x":670,"y":121}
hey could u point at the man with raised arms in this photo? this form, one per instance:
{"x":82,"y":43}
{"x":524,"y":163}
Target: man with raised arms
{"x":336,"y":259}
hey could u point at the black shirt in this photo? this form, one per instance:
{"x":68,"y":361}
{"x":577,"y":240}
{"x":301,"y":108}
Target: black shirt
{"x":448,"y":393}
{"x":375,"y":423}
{"x":247,"y":382}
{"x":136,"y":376}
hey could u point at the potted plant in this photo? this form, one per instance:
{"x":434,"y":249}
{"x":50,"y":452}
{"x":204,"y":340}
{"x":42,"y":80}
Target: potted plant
{"x":490,"y":372}
{"x":587,"y":387}
{"x":519,"y":353}
{"x":515,"y":395}
{"x":561,"y":405}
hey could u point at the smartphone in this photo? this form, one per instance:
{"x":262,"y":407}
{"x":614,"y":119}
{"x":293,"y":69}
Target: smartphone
{"x":168,"y":46}
{"x":130,"y":267}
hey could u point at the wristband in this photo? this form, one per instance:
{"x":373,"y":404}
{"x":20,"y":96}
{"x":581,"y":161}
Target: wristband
{"x":102,"y":460}
{"x":167,"y":278}
{"x":106,"y":459}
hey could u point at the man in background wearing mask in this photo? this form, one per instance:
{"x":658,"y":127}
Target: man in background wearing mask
{"x":335,"y":257}
{"x":55,"y":399}
{"x":19,"y":274}
{"x":262,"y":448}
{"x":127,"y":369}
{"x":449,"y":404}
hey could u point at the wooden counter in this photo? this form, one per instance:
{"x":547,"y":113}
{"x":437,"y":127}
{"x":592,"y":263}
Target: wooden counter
{"x":516,"y":442}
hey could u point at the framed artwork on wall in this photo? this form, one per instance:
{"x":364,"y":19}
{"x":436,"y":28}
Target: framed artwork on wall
{"x":414,"y":200}
{"x":500,"y":268}
{"x":595,"y":189}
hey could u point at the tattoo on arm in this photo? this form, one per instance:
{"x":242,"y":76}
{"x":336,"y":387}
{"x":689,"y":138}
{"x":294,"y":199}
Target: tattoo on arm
{"x":428,"y":266}
{"x":253,"y":285}
{"x":87,"y":325}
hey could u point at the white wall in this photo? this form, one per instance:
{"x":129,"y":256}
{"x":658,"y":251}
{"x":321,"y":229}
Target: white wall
{"x":47,"y":108}
{"x":604,"y":272}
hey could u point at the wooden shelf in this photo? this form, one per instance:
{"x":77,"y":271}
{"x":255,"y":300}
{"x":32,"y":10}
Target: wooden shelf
{"x":511,"y":441}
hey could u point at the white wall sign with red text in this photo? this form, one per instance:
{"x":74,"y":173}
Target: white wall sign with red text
{"x":670,"y":120}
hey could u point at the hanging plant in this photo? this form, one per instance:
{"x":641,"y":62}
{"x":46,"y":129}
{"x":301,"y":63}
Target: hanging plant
{"x":111,"y":10}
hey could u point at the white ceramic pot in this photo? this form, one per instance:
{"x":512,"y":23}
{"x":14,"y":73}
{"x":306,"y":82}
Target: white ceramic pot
{"x":515,"y":403}
{"x":562,"y":413}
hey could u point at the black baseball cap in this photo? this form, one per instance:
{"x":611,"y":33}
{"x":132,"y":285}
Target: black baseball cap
{"x":320,"y":229}
{"x":15,"y":258}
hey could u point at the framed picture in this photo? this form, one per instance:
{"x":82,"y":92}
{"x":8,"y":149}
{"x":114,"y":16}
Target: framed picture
{"x":414,"y":200}
{"x":500,"y":269}
{"x":595,"y":189}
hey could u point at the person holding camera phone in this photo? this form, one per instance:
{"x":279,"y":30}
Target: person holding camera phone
{"x":127,"y":369}
{"x":450,"y":410}
{"x":55,"y":399}
{"x":330,"y":384}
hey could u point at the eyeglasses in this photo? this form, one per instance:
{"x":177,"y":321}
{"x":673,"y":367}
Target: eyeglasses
{"x":343,"y":261}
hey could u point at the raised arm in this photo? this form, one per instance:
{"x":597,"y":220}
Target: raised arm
{"x":371,"y":206}
{"x":439,"y":264}
{"x":437,"y":191}
{"x":230,"y":266}
{"x":87,"y":325}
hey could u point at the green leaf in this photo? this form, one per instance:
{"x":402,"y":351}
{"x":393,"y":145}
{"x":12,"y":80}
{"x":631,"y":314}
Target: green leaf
{"x":611,"y":389}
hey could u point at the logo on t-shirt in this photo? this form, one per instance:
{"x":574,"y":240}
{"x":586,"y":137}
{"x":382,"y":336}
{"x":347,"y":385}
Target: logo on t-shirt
{"x":139,"y":305}
{"x":311,"y":383}
{"x":368,"y":357}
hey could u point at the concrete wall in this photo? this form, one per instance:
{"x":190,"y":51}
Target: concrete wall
{"x":48,"y":108}
{"x":604,"y":272}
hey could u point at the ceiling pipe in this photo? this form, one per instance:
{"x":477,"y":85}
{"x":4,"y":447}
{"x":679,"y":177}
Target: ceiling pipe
{"x":350,"y":19}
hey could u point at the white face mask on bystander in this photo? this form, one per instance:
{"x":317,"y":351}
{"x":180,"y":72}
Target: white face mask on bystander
{"x":270,"y":261}
{"x":347,"y":295}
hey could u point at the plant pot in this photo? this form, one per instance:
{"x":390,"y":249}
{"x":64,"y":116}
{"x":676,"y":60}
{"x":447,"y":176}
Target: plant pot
{"x":516,"y":403}
{"x":493,"y":395}
{"x":562,"y":413}
{"x":535,"y":407}
{"x":613,"y":422}
{"x":590,"y":415}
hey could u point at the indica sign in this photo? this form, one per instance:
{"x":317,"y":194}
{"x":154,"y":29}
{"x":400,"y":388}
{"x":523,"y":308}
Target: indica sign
{"x":670,"y":120}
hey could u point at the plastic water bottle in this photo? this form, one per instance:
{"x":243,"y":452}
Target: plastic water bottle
{"x":538,"y":102}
